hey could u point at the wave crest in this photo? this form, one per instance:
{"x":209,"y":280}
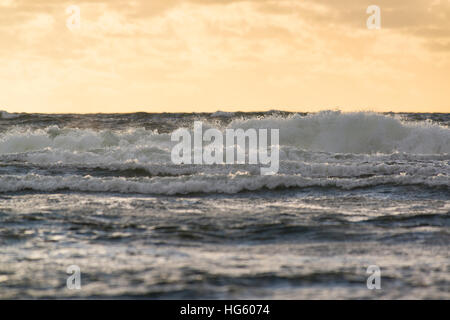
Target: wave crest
{"x":356,"y":132}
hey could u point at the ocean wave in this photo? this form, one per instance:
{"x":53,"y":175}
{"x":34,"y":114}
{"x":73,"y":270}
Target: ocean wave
{"x":356,"y":132}
{"x":230,"y":184}
{"x":332,"y":132}
{"x":306,"y":169}
{"x":6,"y":115}
{"x":223,"y":114}
{"x":53,"y":140}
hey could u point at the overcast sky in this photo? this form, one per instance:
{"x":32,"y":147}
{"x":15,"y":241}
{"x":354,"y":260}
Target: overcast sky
{"x":206,"y":55}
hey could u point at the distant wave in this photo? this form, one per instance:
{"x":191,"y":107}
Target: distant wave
{"x":7,"y":115}
{"x":223,"y":114}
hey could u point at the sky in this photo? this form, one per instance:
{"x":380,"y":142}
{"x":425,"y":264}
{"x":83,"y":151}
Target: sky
{"x":209,"y":55}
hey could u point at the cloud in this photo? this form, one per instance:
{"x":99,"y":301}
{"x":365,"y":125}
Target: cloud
{"x":223,"y":52}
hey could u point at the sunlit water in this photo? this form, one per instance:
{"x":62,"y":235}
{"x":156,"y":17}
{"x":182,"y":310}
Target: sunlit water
{"x":100,"y":192}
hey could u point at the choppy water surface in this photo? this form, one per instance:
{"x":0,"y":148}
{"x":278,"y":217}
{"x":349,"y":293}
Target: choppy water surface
{"x":101,"y":192}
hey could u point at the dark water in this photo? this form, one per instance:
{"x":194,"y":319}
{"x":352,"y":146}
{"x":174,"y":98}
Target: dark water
{"x":101,"y":192}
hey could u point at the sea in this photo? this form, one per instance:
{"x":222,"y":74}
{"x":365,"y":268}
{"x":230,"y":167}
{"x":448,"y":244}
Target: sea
{"x":355,"y":192}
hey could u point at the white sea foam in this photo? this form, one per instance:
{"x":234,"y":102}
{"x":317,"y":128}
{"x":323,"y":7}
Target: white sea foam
{"x":333,"y":132}
{"x":54,"y":140}
{"x":358,"y":132}
{"x":328,"y":149}
{"x":202,"y":184}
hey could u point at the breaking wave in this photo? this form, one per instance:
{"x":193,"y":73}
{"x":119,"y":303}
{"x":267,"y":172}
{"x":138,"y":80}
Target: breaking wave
{"x":327,"y":149}
{"x":359,"y":132}
{"x":335,"y":132}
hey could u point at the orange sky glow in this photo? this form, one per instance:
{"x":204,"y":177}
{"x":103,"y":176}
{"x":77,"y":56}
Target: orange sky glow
{"x":209,"y":55}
